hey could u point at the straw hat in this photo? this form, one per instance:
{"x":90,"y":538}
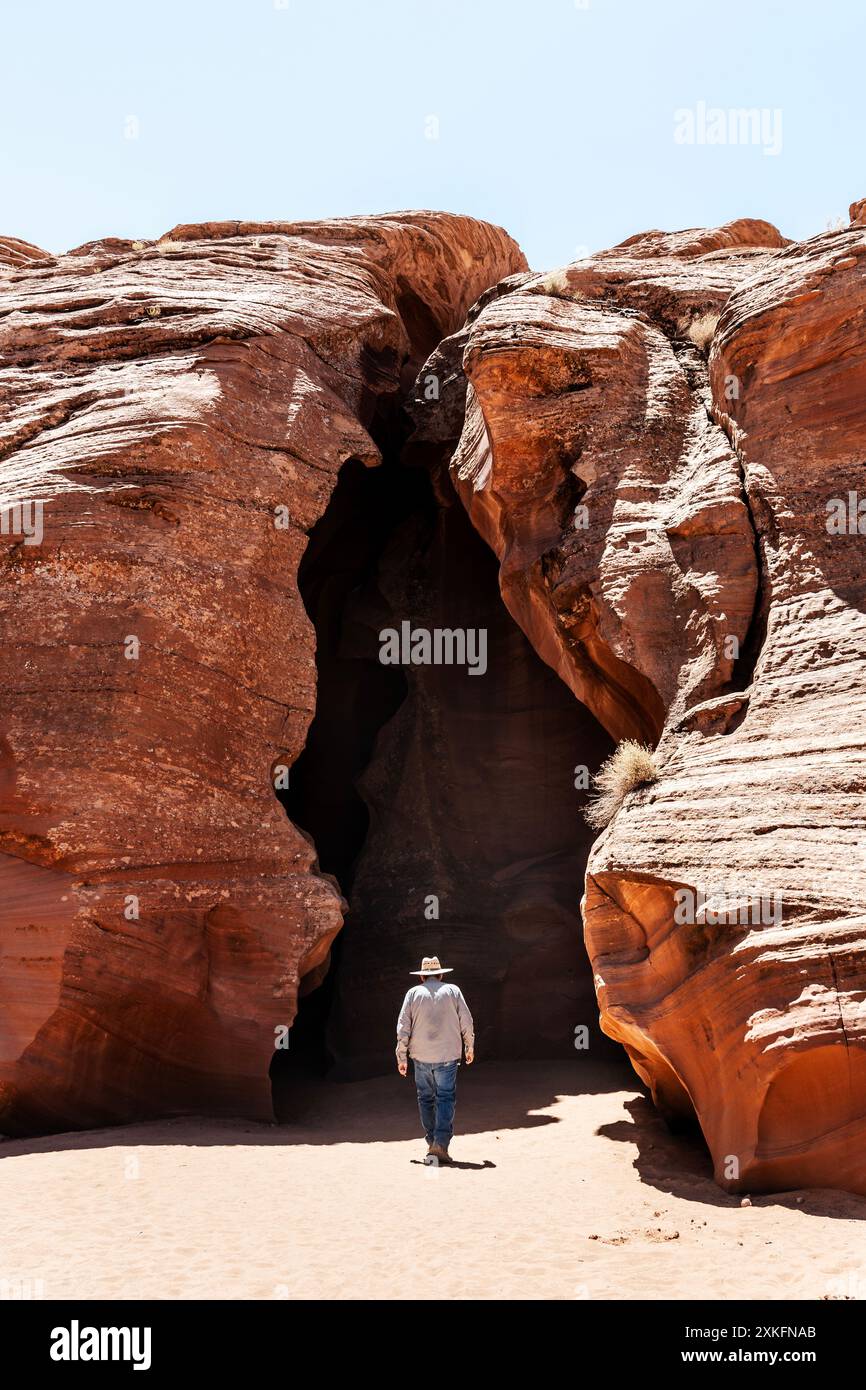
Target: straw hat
{"x":430,"y":966}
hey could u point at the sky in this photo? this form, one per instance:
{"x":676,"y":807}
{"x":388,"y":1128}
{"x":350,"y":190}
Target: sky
{"x":572,"y":123}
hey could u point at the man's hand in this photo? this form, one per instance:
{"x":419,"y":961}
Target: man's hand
{"x":470,"y":1057}
{"x":402,"y":1068}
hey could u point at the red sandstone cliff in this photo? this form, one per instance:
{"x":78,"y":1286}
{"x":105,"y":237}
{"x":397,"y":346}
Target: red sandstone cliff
{"x":646,"y":511}
{"x":170,"y":403}
{"x":649,"y":441}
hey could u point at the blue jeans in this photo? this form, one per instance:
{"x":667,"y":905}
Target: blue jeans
{"x":436,"y":1084}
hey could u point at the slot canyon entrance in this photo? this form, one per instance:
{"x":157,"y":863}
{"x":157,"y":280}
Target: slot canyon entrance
{"x":443,"y":803}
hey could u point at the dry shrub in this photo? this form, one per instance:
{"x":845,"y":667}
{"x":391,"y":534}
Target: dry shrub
{"x":554,"y":282}
{"x":702,"y":330}
{"x":631,"y":765}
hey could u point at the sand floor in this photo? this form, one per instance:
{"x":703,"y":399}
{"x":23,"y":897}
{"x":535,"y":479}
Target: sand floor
{"x":566,"y":1185}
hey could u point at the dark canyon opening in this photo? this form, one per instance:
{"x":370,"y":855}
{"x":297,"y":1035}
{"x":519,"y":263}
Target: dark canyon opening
{"x":443,"y":802}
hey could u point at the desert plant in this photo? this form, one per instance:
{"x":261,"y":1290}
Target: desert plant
{"x":701,"y":331}
{"x":631,"y":765}
{"x":554,"y":282}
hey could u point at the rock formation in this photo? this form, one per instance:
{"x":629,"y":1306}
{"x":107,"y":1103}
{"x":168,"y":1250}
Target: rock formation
{"x":662,"y":447}
{"x":663,"y":531}
{"x":179,"y":411}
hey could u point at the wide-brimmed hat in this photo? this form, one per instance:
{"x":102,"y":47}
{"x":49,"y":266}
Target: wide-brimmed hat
{"x":430,"y":966}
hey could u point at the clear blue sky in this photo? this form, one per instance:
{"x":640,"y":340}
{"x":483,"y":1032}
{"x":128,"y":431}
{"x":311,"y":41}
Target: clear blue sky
{"x":553,"y":120}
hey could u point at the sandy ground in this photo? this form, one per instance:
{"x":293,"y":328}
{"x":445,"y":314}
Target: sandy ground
{"x":566,"y":1185}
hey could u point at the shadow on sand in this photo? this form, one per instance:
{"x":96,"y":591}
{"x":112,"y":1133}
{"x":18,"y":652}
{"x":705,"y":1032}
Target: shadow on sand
{"x":492,"y":1097}
{"x":679,"y":1164}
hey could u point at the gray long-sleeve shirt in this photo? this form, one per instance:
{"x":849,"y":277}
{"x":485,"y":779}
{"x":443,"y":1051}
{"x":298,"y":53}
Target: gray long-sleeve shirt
{"x":433,"y":1022}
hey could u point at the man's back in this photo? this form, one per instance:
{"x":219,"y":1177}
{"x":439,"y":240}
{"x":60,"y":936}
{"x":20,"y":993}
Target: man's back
{"x":435,"y":1023}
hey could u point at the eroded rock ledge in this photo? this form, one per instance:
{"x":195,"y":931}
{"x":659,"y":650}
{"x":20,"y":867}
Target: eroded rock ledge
{"x":661,"y":526}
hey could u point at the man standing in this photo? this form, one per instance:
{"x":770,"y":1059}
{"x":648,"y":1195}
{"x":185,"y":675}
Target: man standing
{"x":434,"y":1026}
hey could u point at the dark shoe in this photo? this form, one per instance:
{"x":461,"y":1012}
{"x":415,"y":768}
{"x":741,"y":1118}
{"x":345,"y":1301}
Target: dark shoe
{"x":437,"y":1151}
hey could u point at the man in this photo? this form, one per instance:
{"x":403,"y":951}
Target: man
{"x":434,"y":1026}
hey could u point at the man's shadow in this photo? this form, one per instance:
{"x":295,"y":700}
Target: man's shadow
{"x":456,"y":1163}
